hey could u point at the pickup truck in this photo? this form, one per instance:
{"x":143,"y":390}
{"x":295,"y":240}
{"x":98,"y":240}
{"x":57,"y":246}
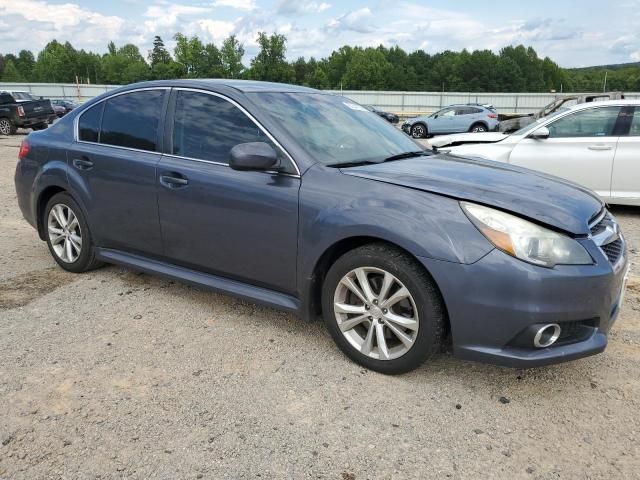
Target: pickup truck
{"x":20,"y":110}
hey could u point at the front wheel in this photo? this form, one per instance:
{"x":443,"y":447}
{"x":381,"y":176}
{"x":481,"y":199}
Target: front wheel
{"x":383,"y":309}
{"x":68,"y":235}
{"x":419,"y":131}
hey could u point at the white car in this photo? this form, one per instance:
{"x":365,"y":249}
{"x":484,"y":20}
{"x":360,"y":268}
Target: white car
{"x":596,"y":145}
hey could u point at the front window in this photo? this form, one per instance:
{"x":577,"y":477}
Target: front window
{"x":333,"y":129}
{"x":594,"y":122}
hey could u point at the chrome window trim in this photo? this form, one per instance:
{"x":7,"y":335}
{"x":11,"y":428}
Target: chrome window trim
{"x":251,"y":117}
{"x":76,"y":120}
{"x":220,"y":164}
{"x":76,"y":132}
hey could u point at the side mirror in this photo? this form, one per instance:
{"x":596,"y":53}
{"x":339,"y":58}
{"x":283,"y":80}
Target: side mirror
{"x":253,"y":156}
{"x":541,"y":133}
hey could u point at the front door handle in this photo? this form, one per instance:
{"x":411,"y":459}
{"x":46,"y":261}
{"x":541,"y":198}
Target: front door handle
{"x":173,"y":180}
{"x":82,"y":163}
{"x":600,"y":147}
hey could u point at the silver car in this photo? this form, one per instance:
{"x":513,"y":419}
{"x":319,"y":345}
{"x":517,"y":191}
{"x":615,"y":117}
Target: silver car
{"x":470,"y":117}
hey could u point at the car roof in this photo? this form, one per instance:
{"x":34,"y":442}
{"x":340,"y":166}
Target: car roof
{"x":245,"y":86}
{"x":602,"y":103}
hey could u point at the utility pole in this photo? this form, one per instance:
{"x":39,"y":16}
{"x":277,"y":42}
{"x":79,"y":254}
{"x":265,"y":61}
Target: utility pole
{"x":604,"y":87}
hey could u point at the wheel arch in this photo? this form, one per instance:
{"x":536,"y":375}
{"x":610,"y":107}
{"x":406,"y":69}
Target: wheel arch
{"x":313,"y":305}
{"x":479,"y":122}
{"x":41,"y":203}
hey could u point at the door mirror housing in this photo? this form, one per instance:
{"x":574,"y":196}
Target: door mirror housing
{"x":253,"y":156}
{"x":541,"y":133}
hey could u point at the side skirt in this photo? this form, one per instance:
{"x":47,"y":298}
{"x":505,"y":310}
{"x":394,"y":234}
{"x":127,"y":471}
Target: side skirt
{"x":234,"y":288}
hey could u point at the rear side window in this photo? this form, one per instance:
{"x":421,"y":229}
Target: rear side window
{"x":207,"y":127}
{"x":131,"y":120}
{"x":594,"y":122}
{"x":89,"y":124}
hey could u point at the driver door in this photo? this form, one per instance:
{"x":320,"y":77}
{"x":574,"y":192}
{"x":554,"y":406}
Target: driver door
{"x":236,"y":224}
{"x":581,"y":148}
{"x":444,"y":122}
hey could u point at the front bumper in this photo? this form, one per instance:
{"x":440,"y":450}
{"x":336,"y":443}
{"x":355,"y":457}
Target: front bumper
{"x":492,"y":302}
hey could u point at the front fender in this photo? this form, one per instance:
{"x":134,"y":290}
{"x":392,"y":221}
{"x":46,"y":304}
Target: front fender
{"x":334,"y":207}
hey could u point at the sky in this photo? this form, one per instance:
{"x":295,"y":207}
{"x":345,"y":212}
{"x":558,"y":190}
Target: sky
{"x":572,"y":33}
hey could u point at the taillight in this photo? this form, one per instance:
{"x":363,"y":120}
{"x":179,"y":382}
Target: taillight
{"x":492,"y":115}
{"x":20,"y":111}
{"x":24,"y":149}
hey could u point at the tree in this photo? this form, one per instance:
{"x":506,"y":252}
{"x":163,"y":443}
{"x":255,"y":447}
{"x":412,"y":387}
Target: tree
{"x":25,"y":63}
{"x":231,"y":54}
{"x":270,"y":62}
{"x":124,"y":65}
{"x":159,"y":54}
{"x":191,"y":54}
{"x":11,"y":73}
{"x":368,"y":69}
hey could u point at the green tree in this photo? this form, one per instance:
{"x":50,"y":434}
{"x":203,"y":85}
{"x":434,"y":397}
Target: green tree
{"x":368,"y":69}
{"x":11,"y":73}
{"x":231,"y":53}
{"x":270,"y":63}
{"x":159,"y":53}
{"x":25,"y":63}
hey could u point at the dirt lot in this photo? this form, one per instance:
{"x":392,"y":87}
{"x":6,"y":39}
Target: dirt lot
{"x":115,"y":374}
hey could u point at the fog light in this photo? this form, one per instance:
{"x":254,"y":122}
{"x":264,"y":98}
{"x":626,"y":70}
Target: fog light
{"x":547,"y":335}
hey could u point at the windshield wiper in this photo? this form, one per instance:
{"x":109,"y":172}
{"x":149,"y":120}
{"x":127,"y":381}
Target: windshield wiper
{"x":351,"y":164}
{"x":400,"y":156}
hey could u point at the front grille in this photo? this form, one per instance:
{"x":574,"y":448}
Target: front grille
{"x":613,"y":250}
{"x":606,"y":235}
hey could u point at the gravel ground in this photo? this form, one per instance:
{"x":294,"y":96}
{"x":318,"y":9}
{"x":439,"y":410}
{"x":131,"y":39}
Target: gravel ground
{"x":116,"y":374}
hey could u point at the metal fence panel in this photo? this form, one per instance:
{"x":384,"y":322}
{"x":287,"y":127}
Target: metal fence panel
{"x":402,"y":103}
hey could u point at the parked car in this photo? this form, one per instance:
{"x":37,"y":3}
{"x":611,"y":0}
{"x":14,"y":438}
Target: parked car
{"x":66,"y":105}
{"x":59,"y":110}
{"x":453,"y":119}
{"x":389,"y":117}
{"x":557,"y":106}
{"x":258,"y":190}
{"x":22,"y":113}
{"x":593,"y":144}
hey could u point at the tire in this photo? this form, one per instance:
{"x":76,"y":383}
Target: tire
{"x":478,"y":128}
{"x":59,"y":233}
{"x":7,"y":127}
{"x":421,"y":314}
{"x":419,"y":130}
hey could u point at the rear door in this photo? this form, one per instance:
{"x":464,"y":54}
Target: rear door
{"x":236,"y":224}
{"x":580,"y":148}
{"x":113,"y":169}
{"x":625,"y":181}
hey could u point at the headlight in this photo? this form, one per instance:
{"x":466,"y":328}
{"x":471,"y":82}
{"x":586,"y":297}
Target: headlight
{"x":526,"y":240}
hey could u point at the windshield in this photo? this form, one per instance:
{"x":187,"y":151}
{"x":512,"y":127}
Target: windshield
{"x":22,"y":96}
{"x":333,"y":129}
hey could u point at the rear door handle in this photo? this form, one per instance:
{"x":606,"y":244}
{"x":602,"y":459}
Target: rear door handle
{"x":600,"y":147}
{"x":173,"y":180}
{"x":82,"y":163}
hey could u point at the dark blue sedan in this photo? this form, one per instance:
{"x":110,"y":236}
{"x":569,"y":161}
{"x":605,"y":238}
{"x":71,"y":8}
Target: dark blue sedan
{"x":308,"y":202}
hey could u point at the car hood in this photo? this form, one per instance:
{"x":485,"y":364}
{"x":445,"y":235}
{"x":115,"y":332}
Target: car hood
{"x":462,"y":138}
{"x":546,"y":199}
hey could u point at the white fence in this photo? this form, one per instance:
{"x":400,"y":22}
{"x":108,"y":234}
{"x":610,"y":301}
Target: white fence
{"x":402,"y":103}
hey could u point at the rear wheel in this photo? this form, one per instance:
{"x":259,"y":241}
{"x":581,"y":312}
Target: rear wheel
{"x":419,"y":131}
{"x":7,"y":127}
{"x":478,"y":127}
{"x":68,"y":235}
{"x":382,"y":309}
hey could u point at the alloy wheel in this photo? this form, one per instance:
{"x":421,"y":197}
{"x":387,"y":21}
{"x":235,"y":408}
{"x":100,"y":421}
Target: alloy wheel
{"x":418,"y":131}
{"x":65,"y":234}
{"x":376,"y":313}
{"x":478,"y":128}
{"x":5,"y":126}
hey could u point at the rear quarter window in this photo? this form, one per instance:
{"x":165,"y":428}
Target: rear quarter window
{"x":89,"y":124}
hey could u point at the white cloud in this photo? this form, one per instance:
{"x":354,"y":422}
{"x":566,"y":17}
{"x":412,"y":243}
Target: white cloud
{"x":298,"y":7}
{"x":217,"y":30}
{"x":239,"y":4}
{"x":36,"y":22}
{"x":359,"y":21}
